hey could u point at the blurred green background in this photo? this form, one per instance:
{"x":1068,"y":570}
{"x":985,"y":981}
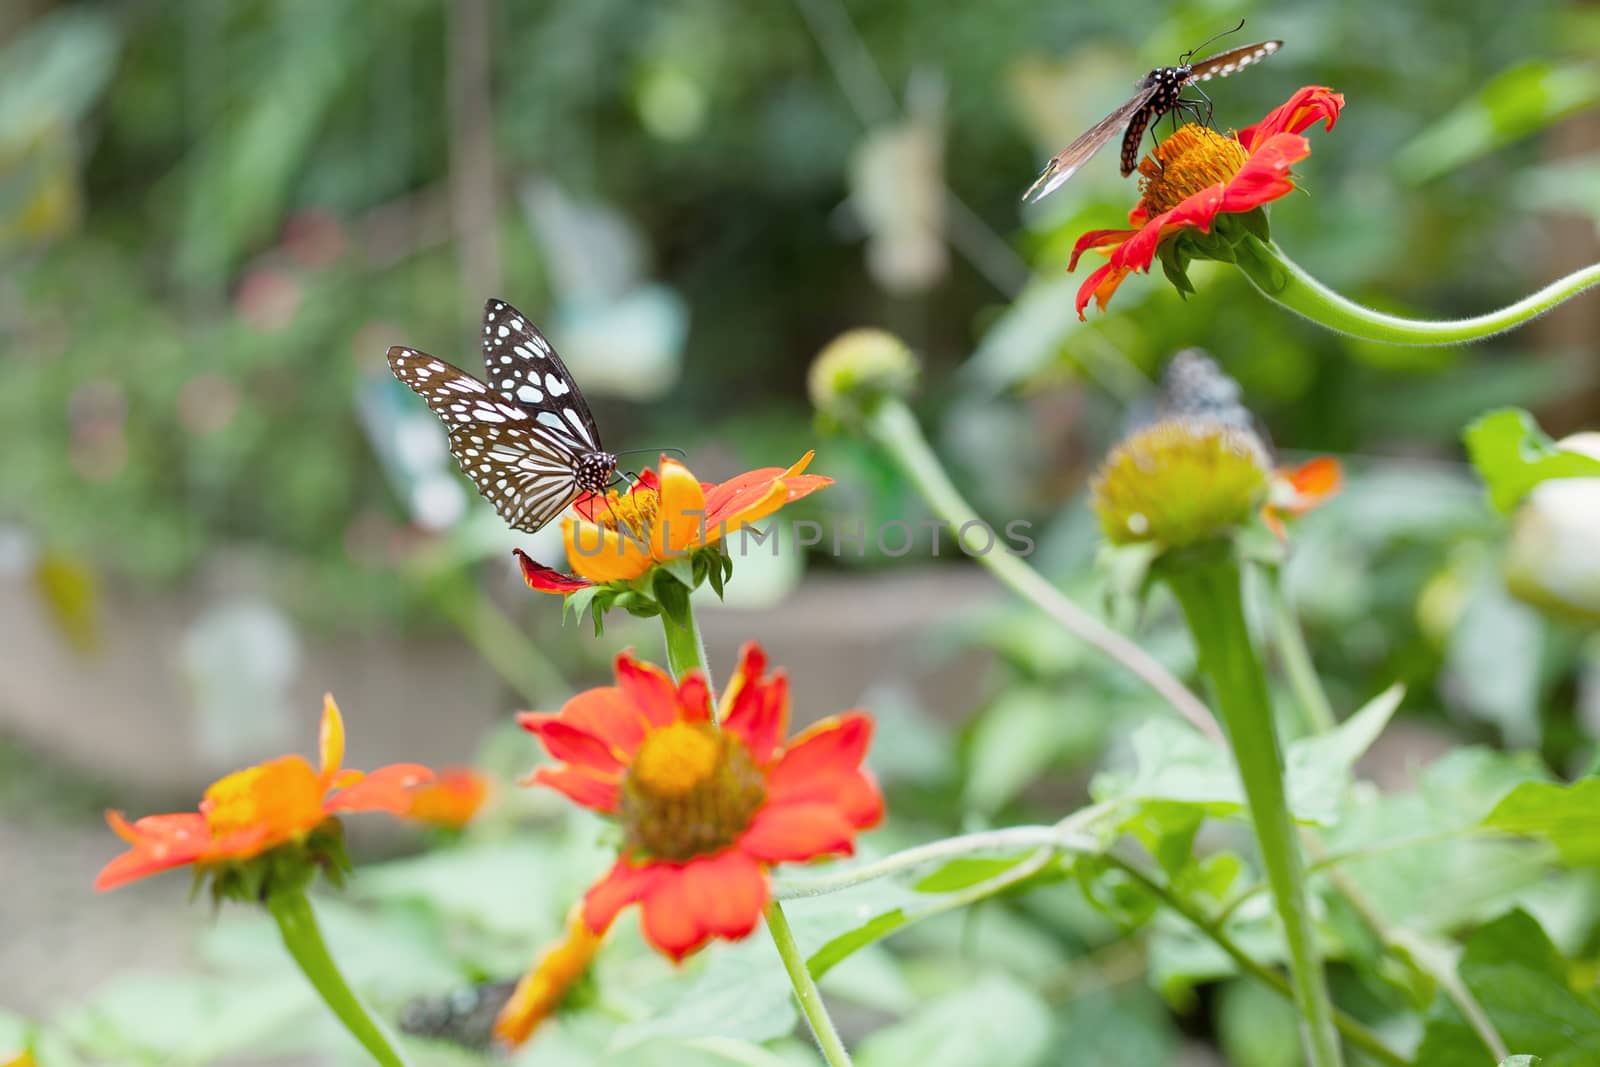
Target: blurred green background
{"x":215,"y":503}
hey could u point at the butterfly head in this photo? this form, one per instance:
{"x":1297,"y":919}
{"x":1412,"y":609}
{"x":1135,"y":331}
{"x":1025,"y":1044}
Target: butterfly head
{"x":594,"y":470}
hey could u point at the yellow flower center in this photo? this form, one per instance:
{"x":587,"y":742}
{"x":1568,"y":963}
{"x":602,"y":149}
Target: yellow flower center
{"x":284,"y":794}
{"x":1192,"y":159}
{"x":632,"y":510}
{"x":690,"y":791}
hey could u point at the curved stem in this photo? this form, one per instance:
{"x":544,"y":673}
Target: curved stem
{"x":895,"y":428}
{"x":1354,"y":1032}
{"x":298,"y":925}
{"x":1281,"y":279}
{"x":1209,"y":591}
{"x":685,"y":652}
{"x":805,"y":989}
{"x":1063,"y":837}
{"x":1290,"y":640}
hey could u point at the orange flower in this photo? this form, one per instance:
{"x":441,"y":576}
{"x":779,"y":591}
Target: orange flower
{"x":1297,"y":490}
{"x":543,"y":989}
{"x":257,"y":809}
{"x":621,"y":536}
{"x":704,"y":811}
{"x":450,"y":799}
{"x":1196,"y":175}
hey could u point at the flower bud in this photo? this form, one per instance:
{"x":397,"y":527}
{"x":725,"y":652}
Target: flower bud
{"x":1551,"y":562}
{"x":1180,"y":482}
{"x":857,"y":371}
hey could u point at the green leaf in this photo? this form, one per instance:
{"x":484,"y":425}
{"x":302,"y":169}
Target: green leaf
{"x":1513,"y":455}
{"x":995,"y":1021}
{"x":1521,"y":1061}
{"x":743,"y":993}
{"x":1174,"y":763}
{"x":964,"y":872}
{"x":1520,"y":101}
{"x":1522,"y":982}
{"x":578,"y":602}
{"x":1568,"y":816}
{"x":672,"y":595}
{"x":1018,"y":737}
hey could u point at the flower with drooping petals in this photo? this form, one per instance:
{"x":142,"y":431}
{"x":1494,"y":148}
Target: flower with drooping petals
{"x":254,"y":811}
{"x":546,"y":985}
{"x":619,"y":537}
{"x":1297,"y":490}
{"x":1197,"y":179}
{"x":705,"y":809}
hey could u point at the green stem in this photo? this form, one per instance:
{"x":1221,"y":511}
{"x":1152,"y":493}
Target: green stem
{"x":1357,"y":1034}
{"x":686,"y":652}
{"x":1296,"y":657}
{"x":1064,"y":836}
{"x":805,"y":989}
{"x":298,"y":925}
{"x":1209,"y":591}
{"x":1281,"y":279}
{"x":894,"y":428}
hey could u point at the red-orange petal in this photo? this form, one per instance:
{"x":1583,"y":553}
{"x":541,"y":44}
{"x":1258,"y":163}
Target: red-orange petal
{"x":694,"y":697}
{"x":605,"y":712}
{"x":545,"y":579}
{"x":1308,"y":105}
{"x":835,"y":744}
{"x":594,"y":791}
{"x":1316,"y":480}
{"x":622,"y":885}
{"x":729,"y":890}
{"x":1099,"y":286}
{"x":579,"y":747}
{"x":385,"y":789}
{"x":648,"y":688}
{"x":671,"y":921}
{"x":794,"y":833}
{"x":756,"y":708}
{"x":1096,"y":239}
{"x":1266,"y":175}
{"x":855,"y":793}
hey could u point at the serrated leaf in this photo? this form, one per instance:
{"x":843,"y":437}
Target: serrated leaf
{"x":1513,"y":455}
{"x":1568,"y":816}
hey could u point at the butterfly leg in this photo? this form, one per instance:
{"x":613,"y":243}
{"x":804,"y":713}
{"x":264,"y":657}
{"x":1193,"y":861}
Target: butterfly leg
{"x":1209,"y":106}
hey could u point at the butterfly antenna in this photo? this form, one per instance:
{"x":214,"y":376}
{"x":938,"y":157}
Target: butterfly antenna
{"x":680,"y":453}
{"x":1183,"y":60}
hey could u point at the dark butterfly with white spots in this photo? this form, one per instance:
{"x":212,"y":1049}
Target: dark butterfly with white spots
{"x":1159,"y":92}
{"x":529,"y":443}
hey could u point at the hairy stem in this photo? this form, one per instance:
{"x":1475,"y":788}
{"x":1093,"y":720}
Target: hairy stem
{"x":1280,"y":279}
{"x":895,"y":428}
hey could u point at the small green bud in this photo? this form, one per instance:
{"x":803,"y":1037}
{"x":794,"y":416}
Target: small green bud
{"x":857,"y":371}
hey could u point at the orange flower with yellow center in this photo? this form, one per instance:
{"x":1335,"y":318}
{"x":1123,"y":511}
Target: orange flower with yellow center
{"x":705,"y":809}
{"x":619,"y":537}
{"x":1197,"y":176}
{"x":279,"y":802}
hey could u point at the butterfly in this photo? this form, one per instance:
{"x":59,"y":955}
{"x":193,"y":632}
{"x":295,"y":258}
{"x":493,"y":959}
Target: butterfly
{"x":1159,"y":92}
{"x":525,"y":437}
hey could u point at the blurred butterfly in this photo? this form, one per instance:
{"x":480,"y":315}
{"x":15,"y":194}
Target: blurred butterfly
{"x":528,"y":443}
{"x":1159,"y":92}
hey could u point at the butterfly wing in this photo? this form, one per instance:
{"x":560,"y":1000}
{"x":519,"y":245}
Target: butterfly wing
{"x":1225,"y":63}
{"x":521,"y":463}
{"x":1065,"y":163}
{"x":525,"y":368}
